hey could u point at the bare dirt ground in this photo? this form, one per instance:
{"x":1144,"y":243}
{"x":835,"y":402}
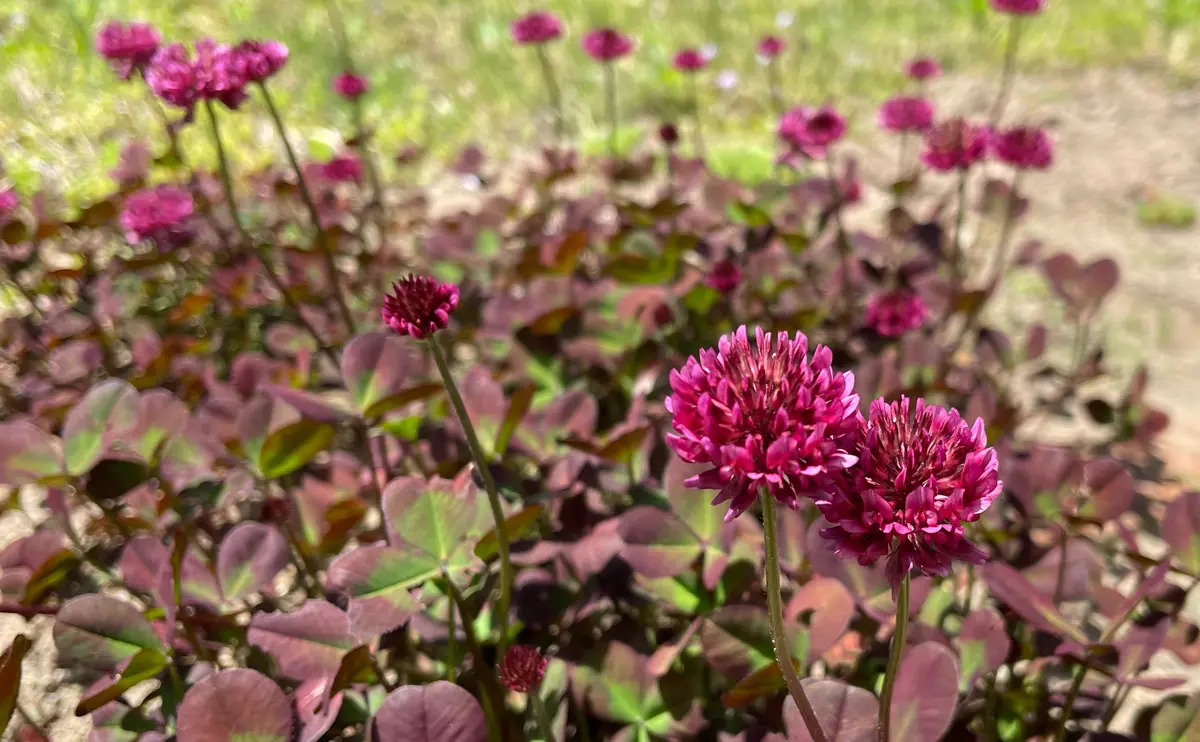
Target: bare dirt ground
{"x":1117,"y":131}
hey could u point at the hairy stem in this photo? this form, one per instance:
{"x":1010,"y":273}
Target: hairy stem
{"x":489,"y":484}
{"x":889,"y":678}
{"x":783,"y":653}
{"x":776,"y":89}
{"x":541,"y":716}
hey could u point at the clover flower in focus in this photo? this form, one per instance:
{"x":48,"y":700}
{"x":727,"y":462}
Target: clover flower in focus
{"x":919,"y":478}
{"x":350,"y":86}
{"x":160,"y":214}
{"x":906,"y":113}
{"x":257,"y":61}
{"x":954,"y":144}
{"x":1019,"y":7}
{"x":1023,"y":147}
{"x":127,"y":47}
{"x":893,"y":313}
{"x":690,"y":60}
{"x":811,"y":132}
{"x":769,"y":47}
{"x":419,"y":306}
{"x":607,"y":44}
{"x":536,"y":28}
{"x":523,"y":668}
{"x":923,"y":68}
{"x":762,"y":416}
{"x":725,"y":276}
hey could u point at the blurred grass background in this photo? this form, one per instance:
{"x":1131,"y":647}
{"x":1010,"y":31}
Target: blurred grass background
{"x":444,"y":72}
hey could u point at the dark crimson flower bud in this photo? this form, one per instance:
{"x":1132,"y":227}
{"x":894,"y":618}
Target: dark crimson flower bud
{"x":893,"y":313}
{"x":536,"y":28}
{"x":954,"y":144}
{"x":1023,"y":147}
{"x":690,"y":60}
{"x":258,"y":60}
{"x":923,"y":68}
{"x":906,"y":113}
{"x":1019,"y":7}
{"x":419,"y":306}
{"x":770,"y":47}
{"x":127,"y":47}
{"x":725,"y":276}
{"x":350,"y":86}
{"x":669,"y":134}
{"x":523,"y":668}
{"x":607,"y":44}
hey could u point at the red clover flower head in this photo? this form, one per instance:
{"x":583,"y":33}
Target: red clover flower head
{"x":172,"y":77}
{"x":906,"y":113}
{"x":607,"y":44}
{"x":669,"y":134}
{"x":419,"y":306}
{"x":724,"y":276}
{"x":536,"y":28}
{"x":923,"y":68}
{"x":809,"y":131}
{"x":893,"y":313}
{"x":523,"y":668}
{"x":770,"y":47}
{"x":259,"y":60}
{"x":955,"y":144}
{"x":350,"y":86}
{"x":1019,"y":7}
{"x":762,"y":416}
{"x":127,"y":47}
{"x":690,"y":60}
{"x":345,"y":168}
{"x":1023,"y":147}
{"x":160,"y":214}
{"x":919,"y":478}
{"x":218,"y":73}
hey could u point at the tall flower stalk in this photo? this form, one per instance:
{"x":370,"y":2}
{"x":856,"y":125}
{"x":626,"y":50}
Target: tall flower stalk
{"x":607,"y":45}
{"x":1008,"y":72}
{"x":899,"y":636}
{"x":554,"y":91}
{"x":610,"y":106}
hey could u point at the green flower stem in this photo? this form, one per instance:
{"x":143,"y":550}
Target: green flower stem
{"x":1009,"y":71}
{"x":695,"y":95}
{"x":552,"y":88}
{"x":451,"y":644}
{"x":889,"y":678}
{"x":776,"y":88}
{"x":541,"y":716}
{"x":320,"y":238}
{"x":268,"y":270}
{"x":610,"y":98}
{"x":489,"y":484}
{"x":1072,"y":696}
{"x":492,"y":692}
{"x":956,"y":256}
{"x":783,"y":653}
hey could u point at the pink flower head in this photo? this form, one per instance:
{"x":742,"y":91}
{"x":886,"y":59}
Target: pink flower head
{"x":1023,"y":147}
{"x":770,"y":47}
{"x":669,"y":134}
{"x":9,"y":201}
{"x":954,"y":144}
{"x":160,"y":214}
{"x":607,"y":44}
{"x":127,"y":47}
{"x":725,"y":276}
{"x":923,"y":68}
{"x":536,"y":28}
{"x":1019,"y":7}
{"x":522,"y":668}
{"x":172,"y":77}
{"x":919,"y":478}
{"x":893,"y":313}
{"x":219,"y":74}
{"x":762,"y":416}
{"x":906,"y":113}
{"x":690,"y":60}
{"x":419,"y":306}
{"x":350,"y":86}
{"x":811,"y":132}
{"x":342,"y":169}
{"x":259,"y":60}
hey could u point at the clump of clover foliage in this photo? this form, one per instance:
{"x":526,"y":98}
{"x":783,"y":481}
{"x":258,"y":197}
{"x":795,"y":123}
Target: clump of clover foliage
{"x":258,"y":519}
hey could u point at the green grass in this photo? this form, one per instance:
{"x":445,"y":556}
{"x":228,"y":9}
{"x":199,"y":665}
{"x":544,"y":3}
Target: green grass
{"x":445,"y":73}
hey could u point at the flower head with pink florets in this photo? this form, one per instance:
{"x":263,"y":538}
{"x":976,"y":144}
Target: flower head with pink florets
{"x":906,"y":113}
{"x":919,"y":478}
{"x":350,"y":86}
{"x":954,"y":144}
{"x":419,"y":306}
{"x":690,"y":60}
{"x":923,"y":68}
{"x":769,"y":47}
{"x":810,"y":131}
{"x":1023,"y":147}
{"x":893,"y":313}
{"x":161,"y":214}
{"x":1019,"y":7}
{"x":607,"y":44}
{"x":523,"y":668}
{"x":763,"y":415}
{"x":536,"y":28}
{"x":172,"y":77}
{"x":127,"y":47}
{"x":259,"y":60}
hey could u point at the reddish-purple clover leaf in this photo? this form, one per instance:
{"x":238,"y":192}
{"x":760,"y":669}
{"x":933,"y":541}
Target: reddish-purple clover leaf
{"x":28,"y":454}
{"x":100,"y":632}
{"x":831,"y":607}
{"x":237,"y":705}
{"x":378,"y":580}
{"x":736,"y":640}
{"x":1011,"y":588}
{"x":438,"y":712}
{"x":249,"y":558}
{"x":1110,"y":488}
{"x":1181,"y":529}
{"x":315,"y":719}
{"x":847,"y":713}
{"x":27,"y":565}
{"x":103,"y":416}
{"x":306,"y":643}
{"x":378,"y":369}
{"x":926,"y":693}
{"x":438,"y":518}
{"x":160,"y":415}
{"x":983,"y":645}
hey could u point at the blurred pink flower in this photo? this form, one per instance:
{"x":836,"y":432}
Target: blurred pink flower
{"x":811,"y":132}
{"x":523,"y":668}
{"x":172,"y":77}
{"x":1019,"y":7}
{"x":919,"y":478}
{"x":127,"y":47}
{"x":762,"y":416}
{"x":770,"y":47}
{"x":906,"y":113}
{"x":345,"y":168}
{"x":607,"y":44}
{"x":893,"y":313}
{"x":689,"y":60}
{"x":350,"y":86}
{"x":725,"y":276}
{"x":1023,"y":147}
{"x":669,"y":134}
{"x":257,"y":61}
{"x":419,"y":306}
{"x":9,"y":201}
{"x":536,"y":28}
{"x":219,"y":76}
{"x":954,"y":144}
{"x":923,"y":68}
{"x":160,"y":214}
